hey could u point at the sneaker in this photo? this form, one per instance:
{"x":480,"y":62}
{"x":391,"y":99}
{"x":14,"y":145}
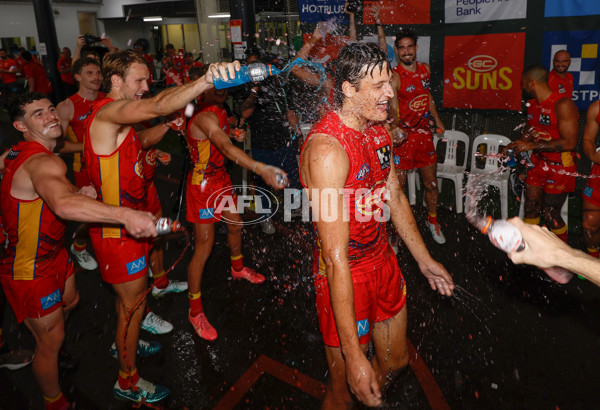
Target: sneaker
{"x":174,"y":286}
{"x":155,"y":324}
{"x":249,"y":274}
{"x":143,"y":391}
{"x":144,"y":349}
{"x":436,"y":232}
{"x":267,"y":227}
{"x":202,"y":327}
{"x":84,"y":259}
{"x":14,"y":359}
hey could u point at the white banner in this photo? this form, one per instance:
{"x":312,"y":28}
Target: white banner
{"x":423,"y":44}
{"x":465,"y":11}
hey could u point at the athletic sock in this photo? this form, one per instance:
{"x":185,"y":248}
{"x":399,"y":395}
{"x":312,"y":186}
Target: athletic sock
{"x":237,"y":262}
{"x":532,"y":221}
{"x":593,"y":252}
{"x":79,"y":246}
{"x":128,"y":380}
{"x":160,"y":280}
{"x":433,"y":219}
{"x":195,"y":304}
{"x":562,"y":233}
{"x":56,"y":403}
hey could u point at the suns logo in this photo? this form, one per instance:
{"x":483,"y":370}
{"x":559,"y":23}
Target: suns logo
{"x":373,"y":201}
{"x":543,"y":136}
{"x":151,"y":157}
{"x":419,"y":103}
{"x":138,"y":168}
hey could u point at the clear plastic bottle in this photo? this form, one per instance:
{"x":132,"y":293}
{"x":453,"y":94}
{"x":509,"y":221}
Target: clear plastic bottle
{"x":503,"y":234}
{"x":167,"y":225}
{"x":254,"y":72}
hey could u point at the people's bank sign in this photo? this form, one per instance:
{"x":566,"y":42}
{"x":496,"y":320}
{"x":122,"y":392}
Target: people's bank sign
{"x":585,"y":66}
{"x":313,"y":11}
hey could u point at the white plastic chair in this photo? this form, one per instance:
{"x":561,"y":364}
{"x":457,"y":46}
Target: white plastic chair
{"x":449,"y":169}
{"x":493,"y":143}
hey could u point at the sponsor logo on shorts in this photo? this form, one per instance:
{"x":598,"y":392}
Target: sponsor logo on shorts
{"x":363,"y":172}
{"x":136,"y":266}
{"x":587,"y":191}
{"x":363,"y":327}
{"x":207,"y":213}
{"x":51,"y":300}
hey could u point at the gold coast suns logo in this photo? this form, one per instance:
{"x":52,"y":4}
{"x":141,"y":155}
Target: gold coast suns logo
{"x":419,"y":103}
{"x":543,"y":136}
{"x":138,"y":168}
{"x":482,"y":73}
{"x":151,"y":157}
{"x":372,"y":201}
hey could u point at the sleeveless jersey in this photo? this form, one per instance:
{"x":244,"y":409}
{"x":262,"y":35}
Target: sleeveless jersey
{"x":413,"y":98}
{"x":369,"y":154}
{"x":207,"y":160}
{"x":118,"y":177}
{"x":34,"y":232}
{"x":542,"y":117}
{"x":82,"y":109}
{"x":563,"y":86}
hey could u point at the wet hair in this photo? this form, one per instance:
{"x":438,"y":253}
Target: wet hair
{"x":82,"y":62}
{"x":405,"y":33}
{"x":26,"y":55}
{"x":198,"y":71}
{"x":16,"y":108}
{"x":354,"y":62}
{"x":537,"y":73}
{"x":118,"y":62}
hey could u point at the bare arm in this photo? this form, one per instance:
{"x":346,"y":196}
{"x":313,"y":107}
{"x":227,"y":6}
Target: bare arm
{"x":405,"y":224}
{"x":80,"y":44}
{"x":303,"y":73}
{"x":65,"y":111}
{"x":432,"y":109}
{"x":30,"y":84}
{"x":325,"y":167}
{"x":352,"y":26}
{"x":249,"y":105}
{"x":206,"y":125}
{"x":152,"y":136}
{"x":590,"y":132}
{"x":47,"y":177}
{"x":380,"y":33}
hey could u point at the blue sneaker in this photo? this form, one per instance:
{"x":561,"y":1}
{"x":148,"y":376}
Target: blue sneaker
{"x":143,"y":391}
{"x":144,"y":349}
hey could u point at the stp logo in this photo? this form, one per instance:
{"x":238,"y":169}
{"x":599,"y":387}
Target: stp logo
{"x":419,"y":103}
{"x":482,"y":63}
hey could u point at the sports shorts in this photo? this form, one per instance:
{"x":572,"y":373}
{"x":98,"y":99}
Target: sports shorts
{"x":379,"y":294}
{"x":42,"y":295}
{"x":417,"y":151}
{"x":121,"y":260}
{"x":554,"y":178}
{"x":591,"y":192}
{"x":205,"y":202}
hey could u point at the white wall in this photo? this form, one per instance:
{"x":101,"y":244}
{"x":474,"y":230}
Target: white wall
{"x":67,"y":23}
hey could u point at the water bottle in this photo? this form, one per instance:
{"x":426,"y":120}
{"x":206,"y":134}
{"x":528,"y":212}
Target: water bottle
{"x":524,"y":156}
{"x":254,"y":72}
{"x":282,"y":179}
{"x":511,"y":162}
{"x":503,"y":234}
{"x":167,"y":225}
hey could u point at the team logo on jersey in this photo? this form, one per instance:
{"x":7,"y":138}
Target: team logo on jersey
{"x":420,"y":103}
{"x":138,"y":168}
{"x":543,"y":136}
{"x":544,"y":119}
{"x":425,"y":83}
{"x":410,"y":88}
{"x":373,"y":201}
{"x":84,"y":116}
{"x":151,"y":157}
{"x":50,"y":300}
{"x":363,"y":172}
{"x":384,"y":155}
{"x":136,"y":266}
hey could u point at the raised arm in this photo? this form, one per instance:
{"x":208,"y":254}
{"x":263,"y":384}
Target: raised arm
{"x":432,"y":108}
{"x":380,"y":33}
{"x":590,"y":132}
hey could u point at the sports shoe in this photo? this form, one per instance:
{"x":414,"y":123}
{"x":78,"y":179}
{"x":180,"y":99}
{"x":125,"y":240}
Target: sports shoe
{"x":202,"y":327}
{"x":155,"y":324}
{"x":267,"y":227}
{"x":14,"y":359}
{"x":174,"y":286}
{"x":84,"y":259}
{"x":436,"y":232}
{"x":249,"y":274}
{"x":143,"y":391}
{"x":144,"y":349}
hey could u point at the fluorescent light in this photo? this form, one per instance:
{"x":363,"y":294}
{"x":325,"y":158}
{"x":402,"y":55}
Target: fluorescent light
{"x":155,"y":18}
{"x":219,"y":16}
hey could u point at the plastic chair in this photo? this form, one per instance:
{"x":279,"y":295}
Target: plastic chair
{"x":412,"y":180}
{"x":494,"y":144}
{"x":449,"y":169}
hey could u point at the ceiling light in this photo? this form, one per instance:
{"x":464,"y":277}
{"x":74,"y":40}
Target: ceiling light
{"x":219,"y":16}
{"x":154,"y":18}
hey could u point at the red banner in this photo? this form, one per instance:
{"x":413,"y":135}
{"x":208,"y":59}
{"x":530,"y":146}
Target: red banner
{"x":484,"y":71}
{"x":398,"y":12}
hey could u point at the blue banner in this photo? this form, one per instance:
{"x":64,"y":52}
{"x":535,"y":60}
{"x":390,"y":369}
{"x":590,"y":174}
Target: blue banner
{"x":313,"y":11}
{"x":565,"y":8}
{"x":585,"y":64}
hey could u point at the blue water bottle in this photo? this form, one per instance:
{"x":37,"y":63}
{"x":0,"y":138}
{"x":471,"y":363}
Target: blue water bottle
{"x":254,"y":72}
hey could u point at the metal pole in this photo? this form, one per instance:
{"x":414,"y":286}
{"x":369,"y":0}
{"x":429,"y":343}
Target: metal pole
{"x":244,"y":10}
{"x":44,"y":19}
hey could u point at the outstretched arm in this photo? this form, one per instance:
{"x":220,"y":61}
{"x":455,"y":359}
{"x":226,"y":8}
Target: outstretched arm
{"x":590,"y":132}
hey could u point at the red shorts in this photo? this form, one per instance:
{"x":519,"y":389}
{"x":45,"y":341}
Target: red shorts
{"x":553,"y":178}
{"x":591,"y":192}
{"x":121,"y":260}
{"x":379,"y":294}
{"x":205,"y":202}
{"x":417,"y":151}
{"x":81,"y":178}
{"x":152,"y":201}
{"x":43,"y":295}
